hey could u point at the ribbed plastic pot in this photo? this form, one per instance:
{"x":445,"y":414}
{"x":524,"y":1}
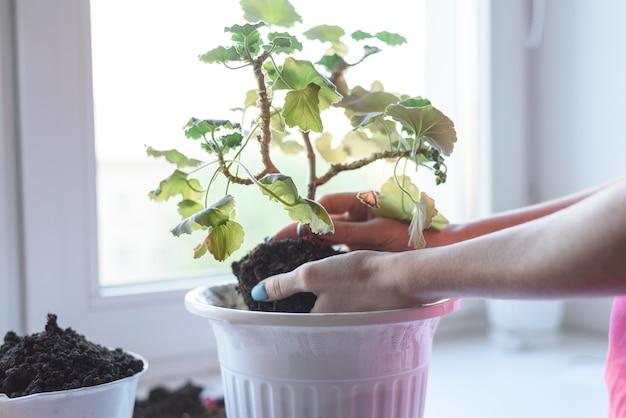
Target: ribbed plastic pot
{"x":109,"y":400}
{"x":284,"y":365}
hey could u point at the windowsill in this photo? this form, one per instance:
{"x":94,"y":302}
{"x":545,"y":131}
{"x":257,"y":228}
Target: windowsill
{"x":470,"y":376}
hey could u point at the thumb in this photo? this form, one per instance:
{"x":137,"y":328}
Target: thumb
{"x":275,"y":288}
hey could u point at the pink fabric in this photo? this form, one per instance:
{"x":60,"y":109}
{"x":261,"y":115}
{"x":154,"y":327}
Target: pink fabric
{"x":615,"y":374}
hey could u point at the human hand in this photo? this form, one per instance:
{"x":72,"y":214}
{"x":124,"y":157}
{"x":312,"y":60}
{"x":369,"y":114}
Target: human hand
{"x":357,"y":227}
{"x":357,"y":281}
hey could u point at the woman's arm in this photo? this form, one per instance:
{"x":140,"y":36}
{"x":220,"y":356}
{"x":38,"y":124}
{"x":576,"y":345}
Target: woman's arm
{"x":358,"y":228}
{"x":579,"y":250}
{"x":460,"y":232}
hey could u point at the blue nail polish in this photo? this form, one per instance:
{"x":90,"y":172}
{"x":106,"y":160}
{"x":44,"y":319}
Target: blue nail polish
{"x":258,"y":292}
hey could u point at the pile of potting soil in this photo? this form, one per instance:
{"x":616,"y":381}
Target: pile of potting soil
{"x":59,"y":359}
{"x":188,"y":401}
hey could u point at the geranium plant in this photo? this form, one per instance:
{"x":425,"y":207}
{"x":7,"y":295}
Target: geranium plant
{"x":284,"y":112}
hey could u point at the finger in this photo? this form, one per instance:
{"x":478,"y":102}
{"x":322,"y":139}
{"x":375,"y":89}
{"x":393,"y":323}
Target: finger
{"x":345,"y":203}
{"x":357,"y":235}
{"x":289,"y":231}
{"x":276,"y":287}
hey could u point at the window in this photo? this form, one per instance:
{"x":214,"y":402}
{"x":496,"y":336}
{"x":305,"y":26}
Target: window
{"x":148,"y":83}
{"x":60,"y":202}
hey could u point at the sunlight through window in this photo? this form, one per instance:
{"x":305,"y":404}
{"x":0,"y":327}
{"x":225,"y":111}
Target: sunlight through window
{"x":148,"y":82}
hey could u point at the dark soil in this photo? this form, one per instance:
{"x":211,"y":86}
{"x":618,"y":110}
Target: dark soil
{"x":183,"y":402}
{"x":59,"y":359}
{"x":276,"y":257}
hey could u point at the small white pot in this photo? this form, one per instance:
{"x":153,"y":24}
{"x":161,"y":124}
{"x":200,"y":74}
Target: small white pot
{"x":524,"y":324}
{"x":284,"y":365}
{"x":109,"y":400}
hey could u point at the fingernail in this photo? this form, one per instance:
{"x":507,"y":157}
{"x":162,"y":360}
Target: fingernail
{"x":258,"y":292}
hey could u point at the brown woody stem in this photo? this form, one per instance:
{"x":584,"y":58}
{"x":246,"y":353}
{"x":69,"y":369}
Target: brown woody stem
{"x":310,"y":154}
{"x":264,"y":103}
{"x":338,"y":168}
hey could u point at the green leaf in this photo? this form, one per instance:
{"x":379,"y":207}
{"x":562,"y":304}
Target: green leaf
{"x":186,"y":208}
{"x":288,"y":146}
{"x":325,"y":33}
{"x":284,"y":42}
{"x":277,"y":121}
{"x":332,"y":155}
{"x":363,"y":101}
{"x":247,"y":38}
{"x":439,"y":222}
{"x":220,"y":55}
{"x":275,"y":12}
{"x":332,"y":62}
{"x":224,"y":240}
{"x":313,"y":214}
{"x":359,"y":35}
{"x":246,"y":30}
{"x":225,"y":235}
{"x":390,"y":38}
{"x":299,"y":209}
{"x":393,"y":202}
{"x":214,"y":215}
{"x":279,"y":187}
{"x":359,"y":145}
{"x":251,"y":98}
{"x":198,"y":128}
{"x":426,"y":122}
{"x":370,"y":50}
{"x":422,"y":218}
{"x":298,"y":75}
{"x":302,"y":109}
{"x":176,"y":184}
{"x":363,"y":119}
{"x":310,"y":93}
{"x":175,"y":157}
{"x":408,"y":204}
{"x":225,"y":143}
{"x":200,"y":250}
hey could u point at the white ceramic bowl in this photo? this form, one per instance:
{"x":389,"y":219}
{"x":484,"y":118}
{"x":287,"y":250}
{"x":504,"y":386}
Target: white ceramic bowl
{"x":108,"y":400}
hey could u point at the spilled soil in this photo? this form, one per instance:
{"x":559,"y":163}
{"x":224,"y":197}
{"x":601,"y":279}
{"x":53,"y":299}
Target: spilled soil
{"x":59,"y":359}
{"x":183,"y":402}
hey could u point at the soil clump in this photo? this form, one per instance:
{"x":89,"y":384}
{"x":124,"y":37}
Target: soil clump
{"x":276,"y":257}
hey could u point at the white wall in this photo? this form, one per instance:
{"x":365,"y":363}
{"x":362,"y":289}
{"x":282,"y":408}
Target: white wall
{"x":576,"y":85}
{"x":508,"y":96}
{"x":577,"y":107}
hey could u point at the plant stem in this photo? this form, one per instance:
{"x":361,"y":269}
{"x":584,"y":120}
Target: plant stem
{"x":264,"y":104}
{"x":338,"y":168}
{"x":310,"y":155}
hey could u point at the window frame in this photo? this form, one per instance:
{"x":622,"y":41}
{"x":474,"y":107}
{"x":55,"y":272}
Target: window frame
{"x":10,"y":243}
{"x":60,"y":268}
{"x":61,"y":276}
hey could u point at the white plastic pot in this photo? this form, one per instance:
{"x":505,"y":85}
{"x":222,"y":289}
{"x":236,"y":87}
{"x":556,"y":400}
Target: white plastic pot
{"x":283,"y":365}
{"x":109,"y":400}
{"x":524,"y":324}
